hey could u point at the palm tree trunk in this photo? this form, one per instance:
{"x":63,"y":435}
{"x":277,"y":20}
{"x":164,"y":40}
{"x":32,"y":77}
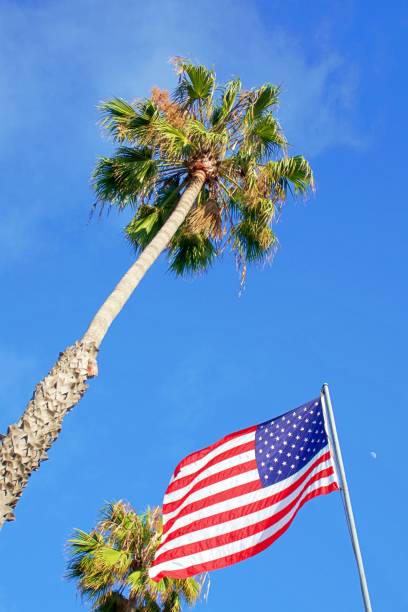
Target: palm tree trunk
{"x":26,"y":443}
{"x":129,"y":281}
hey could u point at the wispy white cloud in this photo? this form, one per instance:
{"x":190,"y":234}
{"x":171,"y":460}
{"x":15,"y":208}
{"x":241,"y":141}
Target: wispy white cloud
{"x":88,"y":48}
{"x":57,"y":60}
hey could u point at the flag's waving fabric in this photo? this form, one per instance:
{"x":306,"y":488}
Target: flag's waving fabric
{"x":234,"y":498}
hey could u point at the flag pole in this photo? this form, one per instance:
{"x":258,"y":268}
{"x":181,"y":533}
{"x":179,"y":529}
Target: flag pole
{"x":328,"y":408}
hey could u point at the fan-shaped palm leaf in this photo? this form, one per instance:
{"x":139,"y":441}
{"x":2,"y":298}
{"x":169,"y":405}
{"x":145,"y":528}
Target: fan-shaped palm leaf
{"x":221,"y":112}
{"x":196,"y":83}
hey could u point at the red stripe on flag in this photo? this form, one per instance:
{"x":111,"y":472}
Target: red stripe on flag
{"x":210,"y":480}
{"x":249,"y":487}
{"x":228,"y":454}
{"x":196,"y":456}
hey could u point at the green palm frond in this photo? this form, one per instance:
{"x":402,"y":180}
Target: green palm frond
{"x":265,"y":137}
{"x":254,"y":241}
{"x":125,"y":121}
{"x":189,"y":588}
{"x":84,"y":542}
{"x":111,"y":558}
{"x":172,"y":603}
{"x":196,"y":83}
{"x":115,"y":602}
{"x":289,"y":171}
{"x":149,"y":219}
{"x":206,"y":139}
{"x":144,"y":226}
{"x":173,"y":141}
{"x":262,"y":210}
{"x":117,"y":114}
{"x":125,"y":177}
{"x":262,"y":100}
{"x":229,"y":95}
{"x":191,"y":253}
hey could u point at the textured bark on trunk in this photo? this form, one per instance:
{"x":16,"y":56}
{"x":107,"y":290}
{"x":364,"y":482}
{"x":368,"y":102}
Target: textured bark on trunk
{"x":26,"y":443}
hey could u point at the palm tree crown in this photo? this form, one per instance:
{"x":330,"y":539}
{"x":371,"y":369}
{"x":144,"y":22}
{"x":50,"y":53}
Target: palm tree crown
{"x":110,"y":564}
{"x":230,"y":135}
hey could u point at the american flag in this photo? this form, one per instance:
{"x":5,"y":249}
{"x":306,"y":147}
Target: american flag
{"x":234,"y":498}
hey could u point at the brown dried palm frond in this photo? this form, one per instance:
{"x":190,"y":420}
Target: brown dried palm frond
{"x":171,"y":110}
{"x":206,"y":219}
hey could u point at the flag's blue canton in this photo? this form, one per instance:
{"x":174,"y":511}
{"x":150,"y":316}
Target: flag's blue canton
{"x":287,"y":443}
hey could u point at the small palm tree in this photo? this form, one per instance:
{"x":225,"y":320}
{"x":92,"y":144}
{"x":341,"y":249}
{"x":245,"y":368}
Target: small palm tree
{"x":110,"y":564}
{"x":205,"y":171}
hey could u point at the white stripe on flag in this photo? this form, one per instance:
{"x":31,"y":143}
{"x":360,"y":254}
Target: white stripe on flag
{"x":217,"y":487}
{"x":210,"y":471}
{"x":190,"y":468}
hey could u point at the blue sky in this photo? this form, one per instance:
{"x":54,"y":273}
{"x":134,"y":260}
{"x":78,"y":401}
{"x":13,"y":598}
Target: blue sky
{"x":191,"y":360}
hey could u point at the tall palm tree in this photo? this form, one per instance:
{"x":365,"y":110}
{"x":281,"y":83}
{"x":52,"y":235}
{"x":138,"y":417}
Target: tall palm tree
{"x":205,"y":171}
{"x":110,"y":564}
